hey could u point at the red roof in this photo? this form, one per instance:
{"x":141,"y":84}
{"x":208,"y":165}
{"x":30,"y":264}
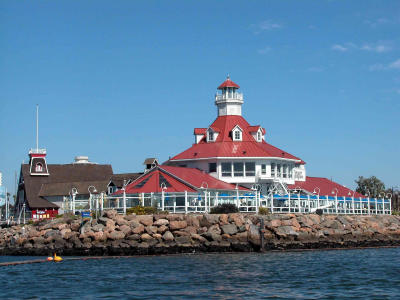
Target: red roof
{"x":326,"y":187}
{"x":228,"y":83}
{"x":224,"y":146}
{"x":176,"y":179}
{"x":200,"y":131}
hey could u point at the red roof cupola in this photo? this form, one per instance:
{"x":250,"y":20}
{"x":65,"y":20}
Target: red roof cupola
{"x":228,"y":83}
{"x":229,"y":101}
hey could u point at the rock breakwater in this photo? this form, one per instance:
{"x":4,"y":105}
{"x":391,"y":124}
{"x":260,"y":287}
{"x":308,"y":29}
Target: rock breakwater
{"x":113,"y":234}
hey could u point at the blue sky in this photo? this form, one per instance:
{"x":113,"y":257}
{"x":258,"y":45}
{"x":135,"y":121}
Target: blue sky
{"x":120,"y":81}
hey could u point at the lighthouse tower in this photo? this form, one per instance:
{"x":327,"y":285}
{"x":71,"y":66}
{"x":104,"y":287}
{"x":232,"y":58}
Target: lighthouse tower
{"x":229,"y":101}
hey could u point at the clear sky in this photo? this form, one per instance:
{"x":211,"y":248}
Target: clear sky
{"x":120,"y":81}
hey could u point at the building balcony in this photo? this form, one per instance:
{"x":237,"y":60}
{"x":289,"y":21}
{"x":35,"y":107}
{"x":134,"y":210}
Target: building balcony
{"x":234,"y":97}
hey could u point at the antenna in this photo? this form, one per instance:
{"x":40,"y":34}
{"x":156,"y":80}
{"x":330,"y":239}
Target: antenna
{"x":37,"y":127}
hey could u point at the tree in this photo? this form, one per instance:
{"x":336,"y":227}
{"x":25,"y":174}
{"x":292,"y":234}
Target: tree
{"x":372,"y":186}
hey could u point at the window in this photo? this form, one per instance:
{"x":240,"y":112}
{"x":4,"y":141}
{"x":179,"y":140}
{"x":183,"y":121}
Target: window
{"x":273,"y":171}
{"x":39,"y":167}
{"x":238,"y":169}
{"x":226,"y":169}
{"x":263,"y":169}
{"x":279,"y":171}
{"x":210,"y":136}
{"x":237,"y":135}
{"x":250,"y":169}
{"x":259,"y":136}
{"x":111,"y":189}
{"x":285,"y":171}
{"x":291,"y":172}
{"x":212,"y":167}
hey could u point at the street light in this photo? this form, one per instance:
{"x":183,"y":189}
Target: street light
{"x":314,"y":191}
{"x":73,"y":193}
{"x":336,"y":200}
{"x":163,"y":189}
{"x":124,"y":195}
{"x":91,"y":190}
{"x":204,"y":185}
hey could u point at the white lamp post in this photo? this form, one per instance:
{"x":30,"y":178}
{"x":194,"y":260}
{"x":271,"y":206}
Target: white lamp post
{"x":124,"y":195}
{"x":204,"y":185}
{"x":335,"y":191}
{"x":91,"y":190}
{"x":163,"y":189}
{"x":73,"y":194}
{"x":315,"y":192}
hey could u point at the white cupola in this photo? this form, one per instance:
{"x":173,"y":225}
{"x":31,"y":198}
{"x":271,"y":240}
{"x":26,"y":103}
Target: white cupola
{"x":229,"y":101}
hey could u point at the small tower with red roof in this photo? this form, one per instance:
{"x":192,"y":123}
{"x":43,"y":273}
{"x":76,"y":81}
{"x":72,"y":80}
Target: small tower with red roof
{"x":229,"y":101}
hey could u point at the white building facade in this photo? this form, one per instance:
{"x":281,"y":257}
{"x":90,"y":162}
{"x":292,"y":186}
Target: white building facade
{"x":232,"y":150}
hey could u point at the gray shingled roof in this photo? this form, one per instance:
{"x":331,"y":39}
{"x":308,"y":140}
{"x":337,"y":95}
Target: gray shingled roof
{"x":57,"y":182}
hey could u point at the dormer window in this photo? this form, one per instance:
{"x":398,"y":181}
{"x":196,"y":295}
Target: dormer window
{"x":39,"y":167}
{"x":259,"y":136}
{"x":210,"y":136}
{"x":237,"y":133}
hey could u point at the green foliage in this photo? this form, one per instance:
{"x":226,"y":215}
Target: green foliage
{"x":224,"y":209}
{"x":395,"y":213}
{"x":263,"y":211}
{"x":372,"y":186}
{"x":142,"y":210}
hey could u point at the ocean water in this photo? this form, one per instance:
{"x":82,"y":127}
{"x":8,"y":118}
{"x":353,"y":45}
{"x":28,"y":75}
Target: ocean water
{"x":328,"y":274}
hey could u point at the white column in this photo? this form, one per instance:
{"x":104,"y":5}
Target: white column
{"x":124,"y":201}
{"x":336,"y":203}
{"x":186,"y":202}
{"x":272,"y":203}
{"x":309,"y":203}
{"x":369,"y":210}
{"x":390,"y":206}
{"x":162,"y":199}
{"x":289,"y":201}
{"x":216,"y":198}
{"x":73,"y":204}
{"x":142,"y":199}
{"x":352,"y":201}
{"x":257,"y":201}
{"x":205,"y":201}
{"x":102,"y":203}
{"x":237,"y":198}
{"x":376,"y":205}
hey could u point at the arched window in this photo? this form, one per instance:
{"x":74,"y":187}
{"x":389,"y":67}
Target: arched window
{"x":39,"y":167}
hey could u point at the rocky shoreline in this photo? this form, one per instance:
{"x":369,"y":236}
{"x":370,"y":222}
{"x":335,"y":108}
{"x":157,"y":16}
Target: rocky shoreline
{"x":114,"y":234}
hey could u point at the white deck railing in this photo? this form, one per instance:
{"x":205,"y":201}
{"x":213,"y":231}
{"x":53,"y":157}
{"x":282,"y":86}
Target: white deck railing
{"x":202,"y":202}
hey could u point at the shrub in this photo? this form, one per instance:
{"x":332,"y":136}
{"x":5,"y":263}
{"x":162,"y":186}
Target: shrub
{"x":224,"y":209}
{"x":263,"y":211}
{"x":141,"y":210}
{"x":395,"y":213}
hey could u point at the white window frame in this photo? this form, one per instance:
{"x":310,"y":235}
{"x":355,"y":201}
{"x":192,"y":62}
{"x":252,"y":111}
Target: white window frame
{"x":236,"y":130}
{"x":263,"y":169}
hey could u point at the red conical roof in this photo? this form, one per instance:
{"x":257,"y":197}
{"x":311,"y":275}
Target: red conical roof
{"x":228,"y":83}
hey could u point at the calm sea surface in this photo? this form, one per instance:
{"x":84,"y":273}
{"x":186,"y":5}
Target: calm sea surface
{"x":337,"y":274}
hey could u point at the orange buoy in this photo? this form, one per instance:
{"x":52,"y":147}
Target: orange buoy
{"x":50,"y":258}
